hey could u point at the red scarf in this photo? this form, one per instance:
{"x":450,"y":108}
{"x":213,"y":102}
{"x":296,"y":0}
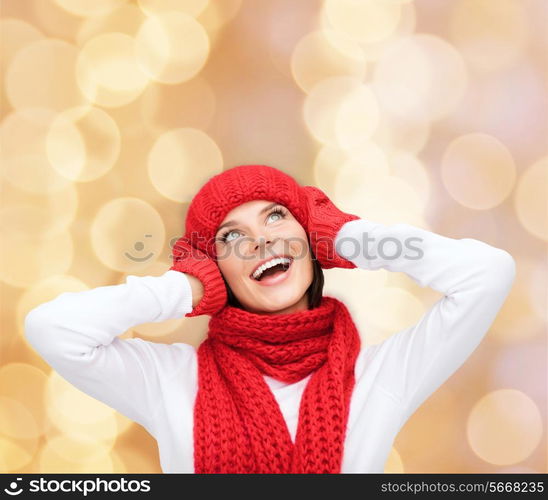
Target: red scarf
{"x":238,"y":425}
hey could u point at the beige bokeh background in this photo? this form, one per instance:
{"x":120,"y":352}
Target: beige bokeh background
{"x":114,"y":112}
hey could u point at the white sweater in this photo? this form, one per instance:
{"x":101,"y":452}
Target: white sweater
{"x":155,"y":384}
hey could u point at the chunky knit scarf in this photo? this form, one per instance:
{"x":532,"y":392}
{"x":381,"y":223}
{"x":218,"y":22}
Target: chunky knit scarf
{"x":238,"y":425}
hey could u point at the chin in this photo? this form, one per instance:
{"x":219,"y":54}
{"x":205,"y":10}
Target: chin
{"x":274,"y":306}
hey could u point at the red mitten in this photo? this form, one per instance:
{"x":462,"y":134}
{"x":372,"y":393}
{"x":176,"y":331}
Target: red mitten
{"x":188,"y":259}
{"x":324,"y":222}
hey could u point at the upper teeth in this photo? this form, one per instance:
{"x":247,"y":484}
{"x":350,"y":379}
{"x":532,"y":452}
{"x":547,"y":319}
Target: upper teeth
{"x":278,"y":260}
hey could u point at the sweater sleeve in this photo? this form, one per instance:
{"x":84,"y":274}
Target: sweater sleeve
{"x":475,"y":279}
{"x":77,"y":335}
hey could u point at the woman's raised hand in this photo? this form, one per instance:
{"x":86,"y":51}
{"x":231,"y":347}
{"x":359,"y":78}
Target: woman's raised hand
{"x":190,"y":260}
{"x":324,"y":222}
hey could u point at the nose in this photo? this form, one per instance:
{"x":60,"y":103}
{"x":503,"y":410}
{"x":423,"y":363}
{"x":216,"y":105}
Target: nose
{"x":260,"y":244}
{"x":261,"y":241}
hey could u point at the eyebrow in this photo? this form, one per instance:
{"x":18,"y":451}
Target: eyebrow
{"x":233,"y":222}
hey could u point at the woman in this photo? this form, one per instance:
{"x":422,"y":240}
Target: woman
{"x":282,"y":383}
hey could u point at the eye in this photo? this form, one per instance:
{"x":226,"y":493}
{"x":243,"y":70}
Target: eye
{"x":226,"y":234}
{"x":277,"y":211}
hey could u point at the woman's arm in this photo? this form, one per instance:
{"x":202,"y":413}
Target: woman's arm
{"x":197,"y":288}
{"x":76,"y":333}
{"x":475,"y":279}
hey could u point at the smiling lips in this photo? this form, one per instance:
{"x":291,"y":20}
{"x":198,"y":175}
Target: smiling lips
{"x":274,"y":278}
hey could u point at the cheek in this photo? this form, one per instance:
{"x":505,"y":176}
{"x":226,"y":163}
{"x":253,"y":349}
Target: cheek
{"x":298,"y":242}
{"x":308,"y":270}
{"x":231,"y":268}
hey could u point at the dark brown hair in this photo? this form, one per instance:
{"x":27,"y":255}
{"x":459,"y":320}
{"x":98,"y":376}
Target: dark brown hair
{"x":314,"y":291}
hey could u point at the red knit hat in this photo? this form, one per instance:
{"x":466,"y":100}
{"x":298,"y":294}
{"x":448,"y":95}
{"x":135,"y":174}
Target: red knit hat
{"x":231,"y":188}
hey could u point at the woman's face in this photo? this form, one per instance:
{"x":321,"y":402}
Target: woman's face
{"x":258,"y":231}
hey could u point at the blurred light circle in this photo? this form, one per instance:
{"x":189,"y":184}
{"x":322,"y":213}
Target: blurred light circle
{"x":326,"y":166}
{"x":15,"y":34}
{"x":188,"y":104}
{"x":478,"y":171}
{"x":357,"y":166}
{"x":518,"y":321}
{"x":323,"y":103}
{"x":107,"y":70}
{"x":181,"y":161}
{"x":409,"y":168}
{"x":77,"y":414}
{"x":373,"y":50}
{"x":126,"y":19}
{"x":538,"y":294}
{"x":346,"y":286}
{"x":191,"y":7}
{"x":490,"y":35}
{"x":53,"y":19}
{"x":57,"y":88}
{"x":129,"y":121}
{"x":26,"y":385}
{"x":83,"y":143}
{"x":400,"y":133}
{"x":504,"y":427}
{"x":43,"y":219}
{"x":65,"y":455}
{"x":522,"y":365}
{"x":85,"y":8}
{"x":217,"y":15}
{"x":16,"y":421}
{"x":282,"y":30}
{"x":436,"y":426}
{"x":127,"y":233}
{"x":34,"y":257}
{"x":497,"y":112}
{"x":23,"y":155}
{"x":405,"y":309}
{"x":359,"y":170}
{"x":531,"y":201}
{"x":323,"y":54}
{"x":363,"y":20}
{"x":420,"y":76}
{"x":519,"y":327}
{"x":16,"y":453}
{"x":171,"y":47}
{"x":462,"y":222}
{"x":385,"y":198}
{"x":357,"y":118}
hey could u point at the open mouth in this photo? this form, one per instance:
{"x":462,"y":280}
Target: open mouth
{"x":272,"y":269}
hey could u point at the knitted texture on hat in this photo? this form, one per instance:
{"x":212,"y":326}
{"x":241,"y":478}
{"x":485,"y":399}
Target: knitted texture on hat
{"x":231,"y":188}
{"x":238,"y":425}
